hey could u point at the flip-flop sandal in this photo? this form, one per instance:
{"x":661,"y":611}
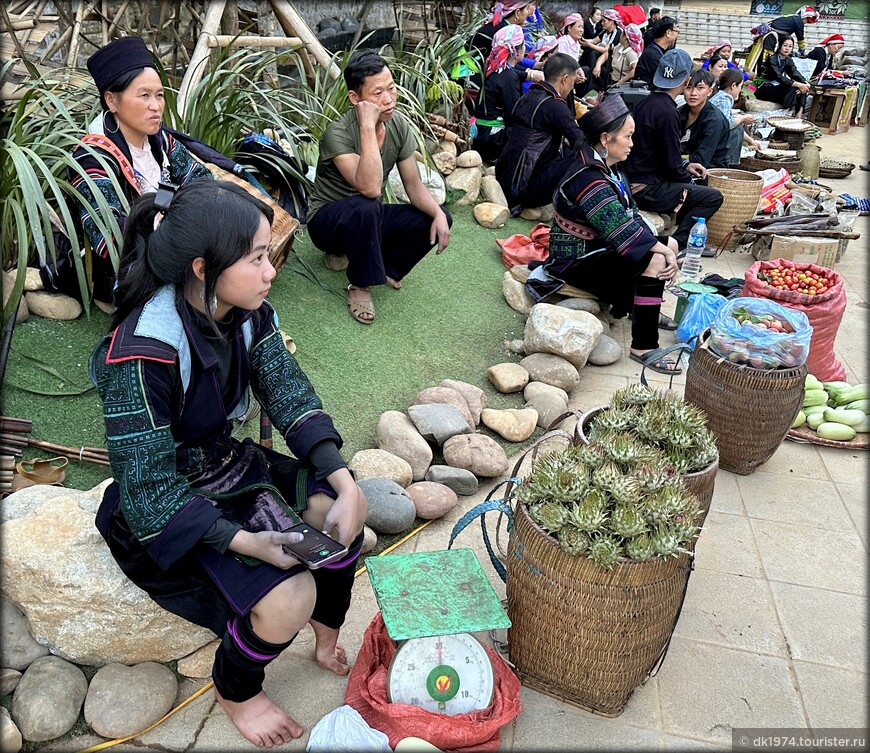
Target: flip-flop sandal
{"x":665,"y":322}
{"x":359,"y":308}
{"x":656,"y":361}
{"x":44,"y":471}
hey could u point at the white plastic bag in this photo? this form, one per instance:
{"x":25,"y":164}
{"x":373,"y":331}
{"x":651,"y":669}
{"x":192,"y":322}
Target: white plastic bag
{"x":345,"y":731}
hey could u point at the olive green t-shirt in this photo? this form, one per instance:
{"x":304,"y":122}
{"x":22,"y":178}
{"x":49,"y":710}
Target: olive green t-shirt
{"x":342,"y":137}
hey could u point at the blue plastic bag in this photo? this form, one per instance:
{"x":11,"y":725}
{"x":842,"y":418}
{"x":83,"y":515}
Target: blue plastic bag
{"x":699,"y":314}
{"x":740,"y":333}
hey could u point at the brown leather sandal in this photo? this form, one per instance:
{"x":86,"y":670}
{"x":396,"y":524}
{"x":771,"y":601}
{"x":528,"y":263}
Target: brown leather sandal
{"x":359,"y":308}
{"x":43,"y":471}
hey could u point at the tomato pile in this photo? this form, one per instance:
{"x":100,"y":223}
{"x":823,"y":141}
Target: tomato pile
{"x":808,"y":283}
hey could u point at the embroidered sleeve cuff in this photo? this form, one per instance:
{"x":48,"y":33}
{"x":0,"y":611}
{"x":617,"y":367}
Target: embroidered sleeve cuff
{"x":183,"y":531}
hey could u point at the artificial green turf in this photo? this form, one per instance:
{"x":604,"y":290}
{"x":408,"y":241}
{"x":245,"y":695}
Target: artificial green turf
{"x":449,"y":321}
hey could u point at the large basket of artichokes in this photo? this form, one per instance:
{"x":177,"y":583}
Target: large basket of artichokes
{"x":598,"y":563}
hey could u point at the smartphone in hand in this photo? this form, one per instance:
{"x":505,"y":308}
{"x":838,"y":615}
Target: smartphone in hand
{"x":316,"y":548}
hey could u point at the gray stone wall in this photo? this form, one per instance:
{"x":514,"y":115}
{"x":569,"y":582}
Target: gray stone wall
{"x":380,"y":13}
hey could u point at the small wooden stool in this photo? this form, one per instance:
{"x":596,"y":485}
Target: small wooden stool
{"x":839,"y":120}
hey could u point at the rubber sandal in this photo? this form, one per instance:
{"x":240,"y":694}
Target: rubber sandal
{"x":666,"y":323}
{"x":358,"y":308}
{"x":43,"y":471}
{"x":655,"y":360}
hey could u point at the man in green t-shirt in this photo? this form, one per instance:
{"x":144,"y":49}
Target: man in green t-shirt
{"x":347,"y":216}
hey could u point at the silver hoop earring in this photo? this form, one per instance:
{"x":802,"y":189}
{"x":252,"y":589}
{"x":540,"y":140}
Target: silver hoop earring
{"x":117,"y":126}
{"x":211,"y":306}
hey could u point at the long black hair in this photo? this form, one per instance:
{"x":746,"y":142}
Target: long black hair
{"x":212,"y":219}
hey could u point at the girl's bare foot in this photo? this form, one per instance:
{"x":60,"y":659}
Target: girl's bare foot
{"x":259,"y":720}
{"x":394,"y":284}
{"x":327,"y":652}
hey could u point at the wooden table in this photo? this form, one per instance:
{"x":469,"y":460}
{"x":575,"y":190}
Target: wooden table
{"x":839,"y":120}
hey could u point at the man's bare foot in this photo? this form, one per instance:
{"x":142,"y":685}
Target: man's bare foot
{"x":260,"y":720}
{"x":327,"y":652}
{"x":394,"y":284}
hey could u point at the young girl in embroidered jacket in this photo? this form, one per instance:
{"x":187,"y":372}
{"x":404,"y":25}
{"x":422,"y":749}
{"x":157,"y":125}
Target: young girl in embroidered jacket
{"x":195,"y":517}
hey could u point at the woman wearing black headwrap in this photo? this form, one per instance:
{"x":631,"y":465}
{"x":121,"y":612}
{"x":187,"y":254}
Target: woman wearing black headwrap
{"x":130,"y":137}
{"x":600,"y":243}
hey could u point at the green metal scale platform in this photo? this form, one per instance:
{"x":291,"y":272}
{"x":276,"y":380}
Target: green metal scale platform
{"x":431,"y":601}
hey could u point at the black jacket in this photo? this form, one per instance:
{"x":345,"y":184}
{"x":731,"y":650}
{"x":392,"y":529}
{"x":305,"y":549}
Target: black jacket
{"x":501,"y":92}
{"x":538,"y":127}
{"x":781,"y":69}
{"x":656,"y":153}
{"x":708,"y":136}
{"x":648,"y":64}
{"x":822,"y":58}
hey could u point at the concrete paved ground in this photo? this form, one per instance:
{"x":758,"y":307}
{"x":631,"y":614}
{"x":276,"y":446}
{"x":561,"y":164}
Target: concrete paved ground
{"x":773,"y":630}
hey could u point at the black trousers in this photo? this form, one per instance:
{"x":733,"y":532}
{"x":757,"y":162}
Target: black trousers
{"x":380,"y":240}
{"x":787,"y":96}
{"x":700,"y":201}
{"x":545,"y":180}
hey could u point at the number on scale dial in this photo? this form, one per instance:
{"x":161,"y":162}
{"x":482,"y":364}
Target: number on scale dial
{"x":446,"y":674}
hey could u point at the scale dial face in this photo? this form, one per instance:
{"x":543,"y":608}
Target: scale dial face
{"x":445,"y":674}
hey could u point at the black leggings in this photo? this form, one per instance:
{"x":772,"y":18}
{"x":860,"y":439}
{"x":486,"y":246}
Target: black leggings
{"x":787,"y":96}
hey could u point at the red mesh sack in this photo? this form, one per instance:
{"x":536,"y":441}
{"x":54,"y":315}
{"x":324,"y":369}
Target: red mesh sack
{"x":476,"y":731}
{"x":825,"y":312}
{"x":518,"y":249}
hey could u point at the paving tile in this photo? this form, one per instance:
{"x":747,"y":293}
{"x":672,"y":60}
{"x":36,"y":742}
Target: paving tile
{"x":823,"y":626}
{"x":547,"y":725}
{"x":680,"y":744}
{"x":855,"y":499}
{"x":796,"y":460}
{"x":707,"y":690}
{"x":846,"y":466}
{"x":726,"y":545}
{"x":833,"y":696}
{"x":812,"y":502}
{"x":726,"y":494}
{"x":809,"y":556}
{"x":731,"y":610}
{"x":179,"y":731}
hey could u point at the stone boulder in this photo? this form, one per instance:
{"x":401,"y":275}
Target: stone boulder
{"x":549,"y":402}
{"x":478,"y":453}
{"x":58,"y":569}
{"x":470,"y":158}
{"x":438,"y":422}
{"x":552,"y":370}
{"x":492,"y":191}
{"x":512,"y":425}
{"x":53,"y":305}
{"x":390,"y":508}
{"x":515,"y":294}
{"x":445,"y":162}
{"x":48,"y":699}
{"x":531,"y":213}
{"x":32,"y":280}
{"x":432,"y":500}
{"x":10,"y":736}
{"x":563,"y":332}
{"x":491,"y":215}
{"x":508,"y":377}
{"x":370,"y":540}
{"x":396,"y":434}
{"x":466,"y":180}
{"x":381,"y":464}
{"x":448,"y":147}
{"x":18,"y":648}
{"x":431,"y":179}
{"x":124,"y":700}
{"x":606,"y":351}
{"x":8,"y":281}
{"x":546,"y":214}
{"x":9,"y":678}
{"x":199,"y":664}
{"x":461,"y":481}
{"x":581,"y":304}
{"x":445,"y":396}
{"x":475,"y":398}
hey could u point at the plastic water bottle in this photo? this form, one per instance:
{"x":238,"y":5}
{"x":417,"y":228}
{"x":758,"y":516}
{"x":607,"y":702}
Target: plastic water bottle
{"x":691,"y":268}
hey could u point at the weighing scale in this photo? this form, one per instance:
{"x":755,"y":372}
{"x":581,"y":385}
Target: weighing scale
{"x":430,"y":602}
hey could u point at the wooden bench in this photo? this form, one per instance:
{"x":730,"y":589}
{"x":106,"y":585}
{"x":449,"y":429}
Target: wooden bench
{"x":836,"y":98}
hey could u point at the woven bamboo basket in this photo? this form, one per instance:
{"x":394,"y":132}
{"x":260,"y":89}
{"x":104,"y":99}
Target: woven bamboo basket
{"x":284,"y":225}
{"x":836,"y":172}
{"x":586,"y":635}
{"x":794,"y":139}
{"x":700,"y":483}
{"x":748,"y":410}
{"x":753,"y":164}
{"x":741,"y":192}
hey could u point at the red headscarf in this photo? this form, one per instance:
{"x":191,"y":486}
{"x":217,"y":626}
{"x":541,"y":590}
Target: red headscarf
{"x":507,"y":43}
{"x":505,"y":8}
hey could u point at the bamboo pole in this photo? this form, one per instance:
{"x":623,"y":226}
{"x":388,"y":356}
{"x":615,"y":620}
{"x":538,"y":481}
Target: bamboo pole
{"x":117,"y":19}
{"x":58,"y":43}
{"x":104,"y":21}
{"x":294,"y":25}
{"x":360,"y":21}
{"x":18,"y":25}
{"x":16,"y":425}
{"x":227,"y":40}
{"x":11,"y":440}
{"x":74,"y":42}
{"x":199,"y":59}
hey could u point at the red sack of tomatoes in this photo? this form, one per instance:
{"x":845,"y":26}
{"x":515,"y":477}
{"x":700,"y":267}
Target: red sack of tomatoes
{"x":823,"y":309}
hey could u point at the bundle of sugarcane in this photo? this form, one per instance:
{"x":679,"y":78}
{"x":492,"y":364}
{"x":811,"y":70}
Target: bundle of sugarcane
{"x":11,"y":447}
